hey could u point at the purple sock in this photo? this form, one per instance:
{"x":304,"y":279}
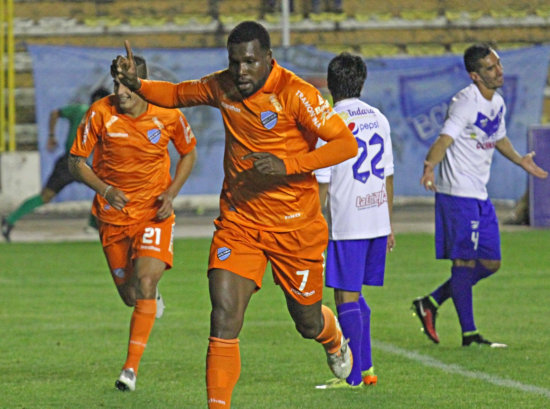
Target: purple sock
{"x":461,"y":289}
{"x":366,"y":351}
{"x":480,"y":272}
{"x":442,"y":293}
{"x":349,"y":316}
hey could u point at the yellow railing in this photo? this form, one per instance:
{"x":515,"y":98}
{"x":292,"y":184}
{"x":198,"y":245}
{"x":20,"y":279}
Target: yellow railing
{"x":7,"y":88}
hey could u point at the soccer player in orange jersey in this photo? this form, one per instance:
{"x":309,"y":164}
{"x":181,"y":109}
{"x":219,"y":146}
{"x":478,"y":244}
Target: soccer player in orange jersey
{"x":269,"y":204}
{"x":131,"y":175}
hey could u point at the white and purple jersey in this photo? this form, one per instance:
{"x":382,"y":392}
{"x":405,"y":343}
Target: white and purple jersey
{"x":475,"y":124}
{"x":357,"y":198}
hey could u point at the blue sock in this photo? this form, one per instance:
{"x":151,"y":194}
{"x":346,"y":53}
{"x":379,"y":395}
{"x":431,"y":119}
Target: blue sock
{"x":442,"y":293}
{"x":349,"y":316}
{"x":461,"y":289}
{"x":366,"y":350}
{"x":480,"y":272}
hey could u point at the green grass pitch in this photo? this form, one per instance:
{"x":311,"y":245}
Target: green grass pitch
{"x":64,"y":332}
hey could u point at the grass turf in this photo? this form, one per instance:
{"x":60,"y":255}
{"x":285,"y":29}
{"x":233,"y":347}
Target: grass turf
{"x":64,"y":333}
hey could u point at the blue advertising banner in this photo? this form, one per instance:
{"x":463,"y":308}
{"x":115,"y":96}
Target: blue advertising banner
{"x":413,"y":93}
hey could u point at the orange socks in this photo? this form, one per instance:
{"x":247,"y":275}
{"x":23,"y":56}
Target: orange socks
{"x":223,"y":367}
{"x":141,"y":325}
{"x":331,"y":335}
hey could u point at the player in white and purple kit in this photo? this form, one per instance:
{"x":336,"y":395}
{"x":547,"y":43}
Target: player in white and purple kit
{"x":466,"y":225}
{"x":360,"y":197}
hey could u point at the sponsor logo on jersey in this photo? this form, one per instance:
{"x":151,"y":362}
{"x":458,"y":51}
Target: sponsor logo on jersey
{"x":360,"y":111}
{"x":374,"y":199}
{"x":474,"y":224}
{"x":230,"y":107}
{"x":269,"y":119}
{"x":486,"y":145}
{"x":293,"y":216}
{"x":353,"y":128}
{"x":320,"y":114}
{"x":223,"y":253}
{"x":305,"y":294}
{"x":153,"y":135}
{"x":275,"y":102}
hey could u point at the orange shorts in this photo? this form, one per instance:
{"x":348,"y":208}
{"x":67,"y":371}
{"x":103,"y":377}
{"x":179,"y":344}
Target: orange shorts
{"x":296,"y":257}
{"x":123,"y":244}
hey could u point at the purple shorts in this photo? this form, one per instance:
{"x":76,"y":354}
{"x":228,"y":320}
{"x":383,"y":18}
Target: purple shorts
{"x":465,"y":228}
{"x":354,"y":263}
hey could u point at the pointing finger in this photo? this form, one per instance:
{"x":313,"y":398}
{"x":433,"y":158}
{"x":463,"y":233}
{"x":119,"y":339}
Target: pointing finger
{"x":129,"y":52}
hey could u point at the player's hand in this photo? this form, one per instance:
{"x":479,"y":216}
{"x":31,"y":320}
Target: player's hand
{"x":267,"y":164}
{"x":428,"y":178}
{"x":391,"y":242}
{"x":530,"y":166}
{"x":124,"y":69}
{"x":166,"y":206}
{"x":116,"y":198}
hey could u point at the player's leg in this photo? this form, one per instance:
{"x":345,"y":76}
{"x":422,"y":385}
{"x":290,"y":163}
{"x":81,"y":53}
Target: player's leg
{"x":236,"y":267}
{"x":350,"y":265}
{"x":229,"y":295}
{"x":297,"y":263}
{"x":152,"y":254}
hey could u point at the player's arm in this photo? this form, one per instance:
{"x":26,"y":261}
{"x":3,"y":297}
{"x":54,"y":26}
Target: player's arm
{"x":183,"y":170}
{"x":323,"y":193}
{"x":389,"y":192}
{"x":52,"y":141}
{"x":505,"y":147}
{"x":341,"y":145}
{"x":83,"y":173}
{"x":436,"y":153}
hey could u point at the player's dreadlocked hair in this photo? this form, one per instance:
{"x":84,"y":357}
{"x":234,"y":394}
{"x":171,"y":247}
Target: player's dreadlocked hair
{"x":346,"y":75}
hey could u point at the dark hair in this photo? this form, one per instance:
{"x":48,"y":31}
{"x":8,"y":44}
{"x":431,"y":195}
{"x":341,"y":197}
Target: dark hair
{"x":99,"y":93}
{"x":346,"y":75}
{"x":141,"y":66}
{"x":474,"y":53}
{"x":250,"y":31}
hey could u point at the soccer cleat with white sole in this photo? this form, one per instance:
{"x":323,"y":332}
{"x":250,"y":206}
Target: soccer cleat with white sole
{"x":336,"y":383}
{"x":127,"y":380}
{"x":472,"y":339}
{"x":341,"y":361}
{"x":160,"y":305}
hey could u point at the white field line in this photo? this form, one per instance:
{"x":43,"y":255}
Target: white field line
{"x":456,"y":369}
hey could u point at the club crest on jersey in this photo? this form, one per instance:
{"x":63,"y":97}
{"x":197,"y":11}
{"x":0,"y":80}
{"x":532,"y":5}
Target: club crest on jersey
{"x":269,"y":119}
{"x":223,"y":253}
{"x":153,"y":135}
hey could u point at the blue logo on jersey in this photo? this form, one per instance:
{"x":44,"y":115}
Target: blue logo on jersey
{"x":223,"y":253}
{"x":153,"y":135}
{"x":269,"y":119}
{"x":489,"y":126}
{"x":353,"y":128}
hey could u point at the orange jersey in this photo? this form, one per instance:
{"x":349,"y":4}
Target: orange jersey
{"x":285,"y":117}
{"x":131,"y":154}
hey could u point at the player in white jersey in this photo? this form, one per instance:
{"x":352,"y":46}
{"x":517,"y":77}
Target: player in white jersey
{"x":466,"y":225}
{"x":360,"y":197}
